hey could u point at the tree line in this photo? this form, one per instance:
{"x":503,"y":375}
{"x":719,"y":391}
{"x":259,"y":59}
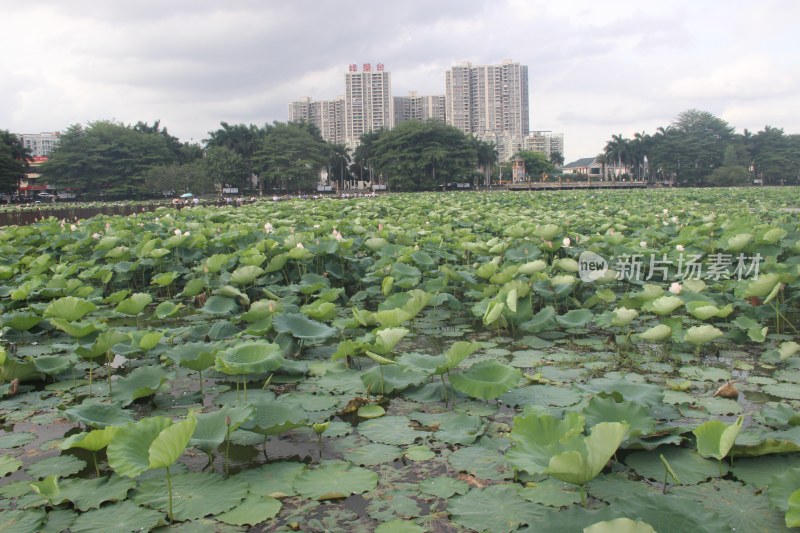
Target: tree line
{"x":699,"y":149}
{"x":114,"y":160}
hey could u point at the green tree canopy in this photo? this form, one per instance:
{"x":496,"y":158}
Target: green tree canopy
{"x":105,"y":157}
{"x":424,"y":155}
{"x":225,"y":167}
{"x":177,"y":179}
{"x":13,"y":161}
{"x":291,"y":156}
{"x":536,"y":164}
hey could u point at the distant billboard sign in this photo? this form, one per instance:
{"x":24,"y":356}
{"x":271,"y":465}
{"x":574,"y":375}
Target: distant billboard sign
{"x":230,"y":190}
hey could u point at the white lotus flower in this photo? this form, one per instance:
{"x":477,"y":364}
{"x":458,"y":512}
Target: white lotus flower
{"x":643,"y":244}
{"x":300,"y":245}
{"x":680,"y":248}
{"x":675,"y":288}
{"x":73,"y":227}
{"x":95,"y":236}
{"x":177,"y":232}
{"x":566,"y":242}
{"x":268,"y":227}
{"x":186,"y":233}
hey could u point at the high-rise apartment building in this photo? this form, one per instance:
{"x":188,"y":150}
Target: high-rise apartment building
{"x":416,"y":107}
{"x":545,"y":142}
{"x":40,"y":144}
{"x":489,"y":100}
{"x":326,"y":115}
{"x":368,"y":102}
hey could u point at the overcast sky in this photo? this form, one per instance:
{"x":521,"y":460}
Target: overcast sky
{"x":595,"y":68}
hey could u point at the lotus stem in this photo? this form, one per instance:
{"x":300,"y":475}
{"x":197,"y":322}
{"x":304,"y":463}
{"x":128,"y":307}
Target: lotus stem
{"x":319,"y":441}
{"x":244,"y":386}
{"x":444,"y":389}
{"x":228,"y":448}
{"x":169,"y":491}
{"x":583,"y":496}
{"x":96,"y":469}
{"x":383,"y":392}
{"x":108,"y":364}
{"x":200,"y":379}
{"x":91,"y":366}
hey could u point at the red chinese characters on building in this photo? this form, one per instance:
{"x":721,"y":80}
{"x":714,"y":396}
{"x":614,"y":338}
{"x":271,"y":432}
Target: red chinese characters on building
{"x":379,"y":67}
{"x":353,"y":67}
{"x":366,"y":68}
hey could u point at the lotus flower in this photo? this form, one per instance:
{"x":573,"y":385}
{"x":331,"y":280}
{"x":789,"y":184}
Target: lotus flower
{"x":680,"y":247}
{"x":268,"y":227}
{"x":643,"y":244}
{"x":177,"y":232}
{"x":566,"y":242}
{"x":675,"y":288}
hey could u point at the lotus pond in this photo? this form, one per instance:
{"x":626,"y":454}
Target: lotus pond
{"x":565,"y":361}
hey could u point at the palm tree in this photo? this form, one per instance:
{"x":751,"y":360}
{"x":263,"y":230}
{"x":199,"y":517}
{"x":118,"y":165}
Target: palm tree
{"x":487,"y":157}
{"x":557,"y":158}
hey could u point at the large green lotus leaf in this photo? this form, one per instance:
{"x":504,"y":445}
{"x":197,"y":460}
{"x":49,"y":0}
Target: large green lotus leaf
{"x":498,"y":508}
{"x":77,"y":330}
{"x":782,"y":486}
{"x":420,"y":361}
{"x":142,"y":382}
{"x":541,"y":321}
{"x":162,"y":280}
{"x":302,"y":327}
{"x":9,"y":465}
{"x":545,"y":395}
{"x":486,"y":380}
{"x":793,"y":512}
{"x":61,"y":465}
{"x":103,"y":343}
{"x":220,"y":305}
{"x":387,"y":338}
{"x":246,"y":275}
{"x":254,"y":357}
{"x":94,"y":440}
{"x":740,"y":507}
{"x":18,"y":521}
{"x":698,"y":335}
{"x":715,"y":438}
{"x":170,"y":443}
{"x":373,"y":454}
{"x":69,"y":308}
{"x":759,"y":471}
{"x":391,"y":318}
{"x":20,"y":320}
{"x":620,"y":525}
{"x":547,"y":232}
{"x":88,"y":494}
{"x":215,"y":262}
{"x":390,"y":430}
{"x":333,"y":480}
{"x":702,"y":310}
{"x":575,"y":318}
{"x":134,"y":304}
{"x":443,"y":486}
{"x":664,"y":305}
{"x":272,"y":417}
{"x":129,"y":450}
{"x":636,"y":416}
{"x":459,"y":351}
{"x":567,"y":264}
{"x":194,"y":355}
{"x":481,"y":462}
{"x":194,"y":494}
{"x":167,"y":309}
{"x":457,"y":428}
{"x":99,"y":415}
{"x":16,"y":439}
{"x":212,"y":428}
{"x":391,"y":378}
{"x":52,"y":365}
{"x":789,"y":391}
{"x":690,"y":467}
{"x":737,"y":243}
{"x":656,"y":333}
{"x":59,"y":520}
{"x":399,"y":526}
{"x":551,"y":492}
{"x":579,"y":467}
{"x":538,"y":437}
{"x":272,"y":479}
{"x":762,"y":285}
{"x":253,"y":510}
{"x":626,"y":389}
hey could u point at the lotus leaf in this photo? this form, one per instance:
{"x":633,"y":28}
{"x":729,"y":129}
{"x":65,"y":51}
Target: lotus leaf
{"x":664,"y":305}
{"x":77,"y":330}
{"x":715,"y":438}
{"x":220,"y":305}
{"x":272,"y":417}
{"x":103,"y":343}
{"x":167,"y":310}
{"x":9,"y":465}
{"x":532,"y":267}
{"x":636,"y":416}
{"x":579,"y":466}
{"x":656,"y":333}
{"x":20,"y":320}
{"x":698,"y":335}
{"x":541,"y":321}
{"x":129,"y":450}
{"x":486,"y":380}
{"x":620,"y":525}
{"x":399,"y":526}
{"x":94,"y":440}
{"x":690,"y":467}
{"x":334,"y":479}
{"x":253,"y":357}
{"x":194,"y":494}
{"x":140,"y":383}
{"x":163,"y":280}
{"x":134,"y":304}
{"x":762,"y":285}
{"x":497,"y":508}
{"x":537,"y":438}
{"x":373,"y":454}
{"x":272,"y":479}
{"x":19,"y":521}
{"x":98,"y":415}
{"x":302,"y":327}
{"x":623,"y":316}
{"x":246,"y":275}
{"x":88,"y":494}
{"x":69,"y":308}
{"x":60,"y":465}
{"x":253,"y":510}
{"x":567,"y":264}
{"x":213,"y":428}
{"x":394,"y":430}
